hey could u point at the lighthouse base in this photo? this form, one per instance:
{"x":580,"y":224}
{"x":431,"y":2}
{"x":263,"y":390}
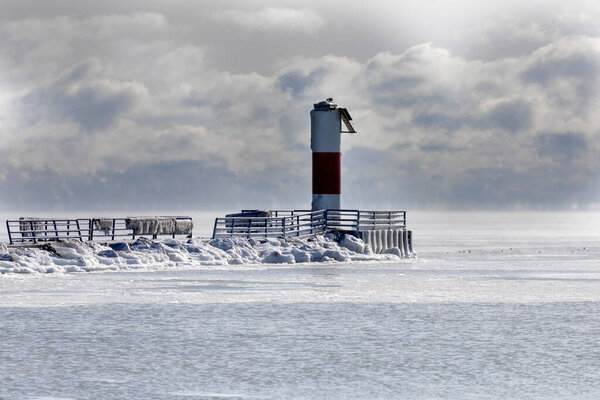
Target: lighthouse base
{"x":326,"y":202}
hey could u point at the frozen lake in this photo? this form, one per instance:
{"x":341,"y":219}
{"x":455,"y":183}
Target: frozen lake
{"x":497,"y":306}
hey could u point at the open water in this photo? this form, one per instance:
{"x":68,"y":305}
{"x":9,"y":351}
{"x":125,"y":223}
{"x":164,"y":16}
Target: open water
{"x":497,"y":306}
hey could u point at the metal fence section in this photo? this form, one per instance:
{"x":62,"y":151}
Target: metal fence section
{"x":284,"y":224}
{"x":375,"y":220}
{"x":40,"y":229}
{"x":35,"y":230}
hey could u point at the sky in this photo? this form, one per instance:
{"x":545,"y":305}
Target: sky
{"x":204,"y":105}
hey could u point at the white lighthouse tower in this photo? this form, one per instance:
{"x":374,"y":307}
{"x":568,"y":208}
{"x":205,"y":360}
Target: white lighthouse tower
{"x":325,"y":138}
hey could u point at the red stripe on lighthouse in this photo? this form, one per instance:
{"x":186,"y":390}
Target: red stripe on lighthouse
{"x":326,"y":170}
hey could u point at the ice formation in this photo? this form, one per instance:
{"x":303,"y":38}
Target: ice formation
{"x":389,"y":239}
{"x":158,"y":225}
{"x":183,"y":226}
{"x":30,"y":224}
{"x":76,"y":256}
{"x":104,"y":224}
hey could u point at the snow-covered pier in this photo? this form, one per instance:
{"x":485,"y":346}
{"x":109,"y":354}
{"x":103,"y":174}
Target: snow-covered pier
{"x":381,"y":230}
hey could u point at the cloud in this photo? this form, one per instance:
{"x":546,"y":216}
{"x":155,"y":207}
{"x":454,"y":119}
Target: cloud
{"x":511,"y":115}
{"x":82,"y":96}
{"x":143,"y":111}
{"x":561,"y":146}
{"x":274,"y":19}
{"x":297,"y":82}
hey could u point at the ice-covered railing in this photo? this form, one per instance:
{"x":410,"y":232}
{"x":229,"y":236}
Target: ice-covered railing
{"x":293,"y":224}
{"x":284,"y":223}
{"x":34,"y":230}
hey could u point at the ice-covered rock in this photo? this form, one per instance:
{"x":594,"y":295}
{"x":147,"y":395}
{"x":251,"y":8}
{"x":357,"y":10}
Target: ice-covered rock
{"x":276,"y":257}
{"x":336,"y":255}
{"x":300,"y":255}
{"x":393,"y":250}
{"x":108,"y":253}
{"x":77,"y":256}
{"x":353,"y":244}
{"x":119,"y":246}
{"x":66,"y":252}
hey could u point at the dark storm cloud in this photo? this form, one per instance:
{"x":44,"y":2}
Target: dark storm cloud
{"x":164,"y":185}
{"x":583,"y":67}
{"x":579,"y":66}
{"x":297,"y":82}
{"x":512,"y":116}
{"x":398,"y":91}
{"x":570,"y":71}
{"x":75,"y":96}
{"x":561,"y":146}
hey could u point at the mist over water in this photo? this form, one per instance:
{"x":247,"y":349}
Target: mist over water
{"x":498,"y":305}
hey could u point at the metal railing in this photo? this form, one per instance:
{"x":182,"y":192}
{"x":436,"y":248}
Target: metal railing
{"x":285,"y":224}
{"x":375,"y":220}
{"x":297,"y":224}
{"x":41,"y":230}
{"x":120,"y":229}
{"x":34,"y":230}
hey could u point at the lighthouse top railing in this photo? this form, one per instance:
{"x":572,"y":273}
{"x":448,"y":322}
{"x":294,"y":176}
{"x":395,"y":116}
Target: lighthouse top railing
{"x":290,"y":223}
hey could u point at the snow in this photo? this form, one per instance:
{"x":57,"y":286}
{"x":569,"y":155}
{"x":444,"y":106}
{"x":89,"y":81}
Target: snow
{"x":393,"y":250}
{"x":497,"y":306}
{"x":158,"y":225}
{"x":183,"y":226}
{"x":76,"y":256}
{"x":29,"y":224}
{"x":353,"y":244}
{"x":104,"y":224}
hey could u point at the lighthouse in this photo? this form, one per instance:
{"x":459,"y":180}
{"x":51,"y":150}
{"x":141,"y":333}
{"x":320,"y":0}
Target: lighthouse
{"x":325,"y":138}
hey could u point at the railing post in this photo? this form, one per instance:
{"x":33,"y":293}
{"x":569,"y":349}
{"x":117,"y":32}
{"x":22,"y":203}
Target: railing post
{"x":55,"y":228}
{"x":283,"y":226}
{"x":311,"y":223}
{"x":91,"y":229}
{"x":32,"y":232}
{"x":78,"y":229}
{"x":9,"y":234}
{"x":113,"y":229}
{"x":215,"y":228}
{"x":249,"y":227}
